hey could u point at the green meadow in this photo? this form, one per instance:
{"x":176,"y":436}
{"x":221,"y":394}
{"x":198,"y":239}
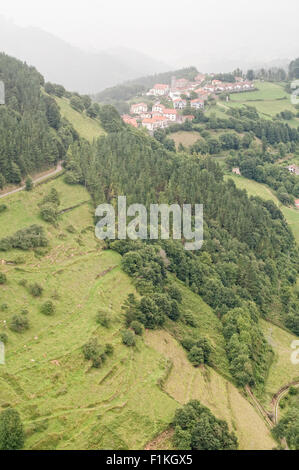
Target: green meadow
{"x":88,"y":128}
{"x":131,"y":399}
{"x":269,"y":99}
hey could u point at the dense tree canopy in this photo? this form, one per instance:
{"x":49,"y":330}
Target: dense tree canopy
{"x":196,"y":428}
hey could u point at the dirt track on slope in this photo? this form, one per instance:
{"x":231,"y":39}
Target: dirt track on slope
{"x":37,"y":180}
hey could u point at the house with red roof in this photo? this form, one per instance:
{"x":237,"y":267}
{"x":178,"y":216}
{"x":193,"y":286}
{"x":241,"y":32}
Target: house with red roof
{"x":160,"y":89}
{"x":170,"y":114}
{"x":129,"y":120}
{"x":179,"y":103}
{"x":188,"y":117}
{"x":198,"y":103}
{"x":158,"y":122}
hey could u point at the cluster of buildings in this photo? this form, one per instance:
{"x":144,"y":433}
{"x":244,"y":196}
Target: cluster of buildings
{"x":159,"y":117}
{"x":180,"y":94}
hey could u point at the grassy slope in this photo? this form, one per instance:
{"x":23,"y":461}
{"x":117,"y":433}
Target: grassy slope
{"x":186,"y":382}
{"x":119,"y":405}
{"x":65,"y":404}
{"x":270,"y":99}
{"x":282,"y":370}
{"x":88,"y":128}
{"x":185,"y":138}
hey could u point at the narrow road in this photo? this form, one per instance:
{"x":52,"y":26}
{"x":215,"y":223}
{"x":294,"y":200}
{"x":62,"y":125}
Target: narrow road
{"x":278,"y":396}
{"x":275,"y":404}
{"x":37,"y":180}
{"x":260,"y":407}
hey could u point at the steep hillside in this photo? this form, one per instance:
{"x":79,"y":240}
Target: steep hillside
{"x":86,"y":127}
{"x":64,"y":403}
{"x":33,"y":135}
{"x":64,"y":291}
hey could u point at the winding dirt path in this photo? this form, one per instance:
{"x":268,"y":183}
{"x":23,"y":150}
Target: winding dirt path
{"x":275,"y":404}
{"x":278,"y":396}
{"x":36,"y":180}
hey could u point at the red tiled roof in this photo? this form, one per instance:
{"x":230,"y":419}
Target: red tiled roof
{"x":139,"y":104}
{"x":161,"y":86}
{"x":169,"y":111}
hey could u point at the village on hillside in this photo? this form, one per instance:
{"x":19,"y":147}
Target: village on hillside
{"x":178,"y":97}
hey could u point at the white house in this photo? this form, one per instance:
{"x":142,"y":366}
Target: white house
{"x":158,"y":107}
{"x":138,"y":108}
{"x":160,"y":89}
{"x":197,"y":103}
{"x":145,"y":115}
{"x":170,"y":114}
{"x":179,"y":103}
{"x":159,"y":122}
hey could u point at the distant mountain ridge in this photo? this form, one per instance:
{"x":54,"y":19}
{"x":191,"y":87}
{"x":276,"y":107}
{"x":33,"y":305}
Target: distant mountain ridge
{"x":70,"y":66}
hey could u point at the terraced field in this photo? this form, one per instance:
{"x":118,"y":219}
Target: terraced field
{"x":186,"y":382}
{"x":270,"y":99}
{"x":63,"y":402}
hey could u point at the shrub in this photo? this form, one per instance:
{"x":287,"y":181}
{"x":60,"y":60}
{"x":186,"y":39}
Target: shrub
{"x":137,"y":327}
{"x":24,"y":311}
{"x":175,"y":293}
{"x":19,"y":323}
{"x":189,"y":319}
{"x":128,"y":338}
{"x":103,"y":319}
{"x":48,"y":308}
{"x":196,"y":356}
{"x":35,"y":290}
{"x":149,"y":313}
{"x":11,"y":430}
{"x":95,"y":352}
{"x":3,"y":207}
{"x":174,"y":313}
{"x":52,"y":198}
{"x":26,"y":239}
{"x":293,"y":391}
{"x":188,"y":343}
{"x":28,"y":184}
{"x":109,"y":349}
{"x":49,"y":213}
{"x":3,"y":278}
{"x":70,"y":229}
{"x":3,"y":338}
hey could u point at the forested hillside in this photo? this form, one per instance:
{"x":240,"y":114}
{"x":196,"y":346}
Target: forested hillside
{"x":32,"y":134}
{"x":123,"y":92}
{"x":105,"y":341}
{"x":249,"y":259}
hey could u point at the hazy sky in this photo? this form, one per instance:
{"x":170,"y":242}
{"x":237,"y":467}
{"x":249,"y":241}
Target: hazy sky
{"x":171,"y":30}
